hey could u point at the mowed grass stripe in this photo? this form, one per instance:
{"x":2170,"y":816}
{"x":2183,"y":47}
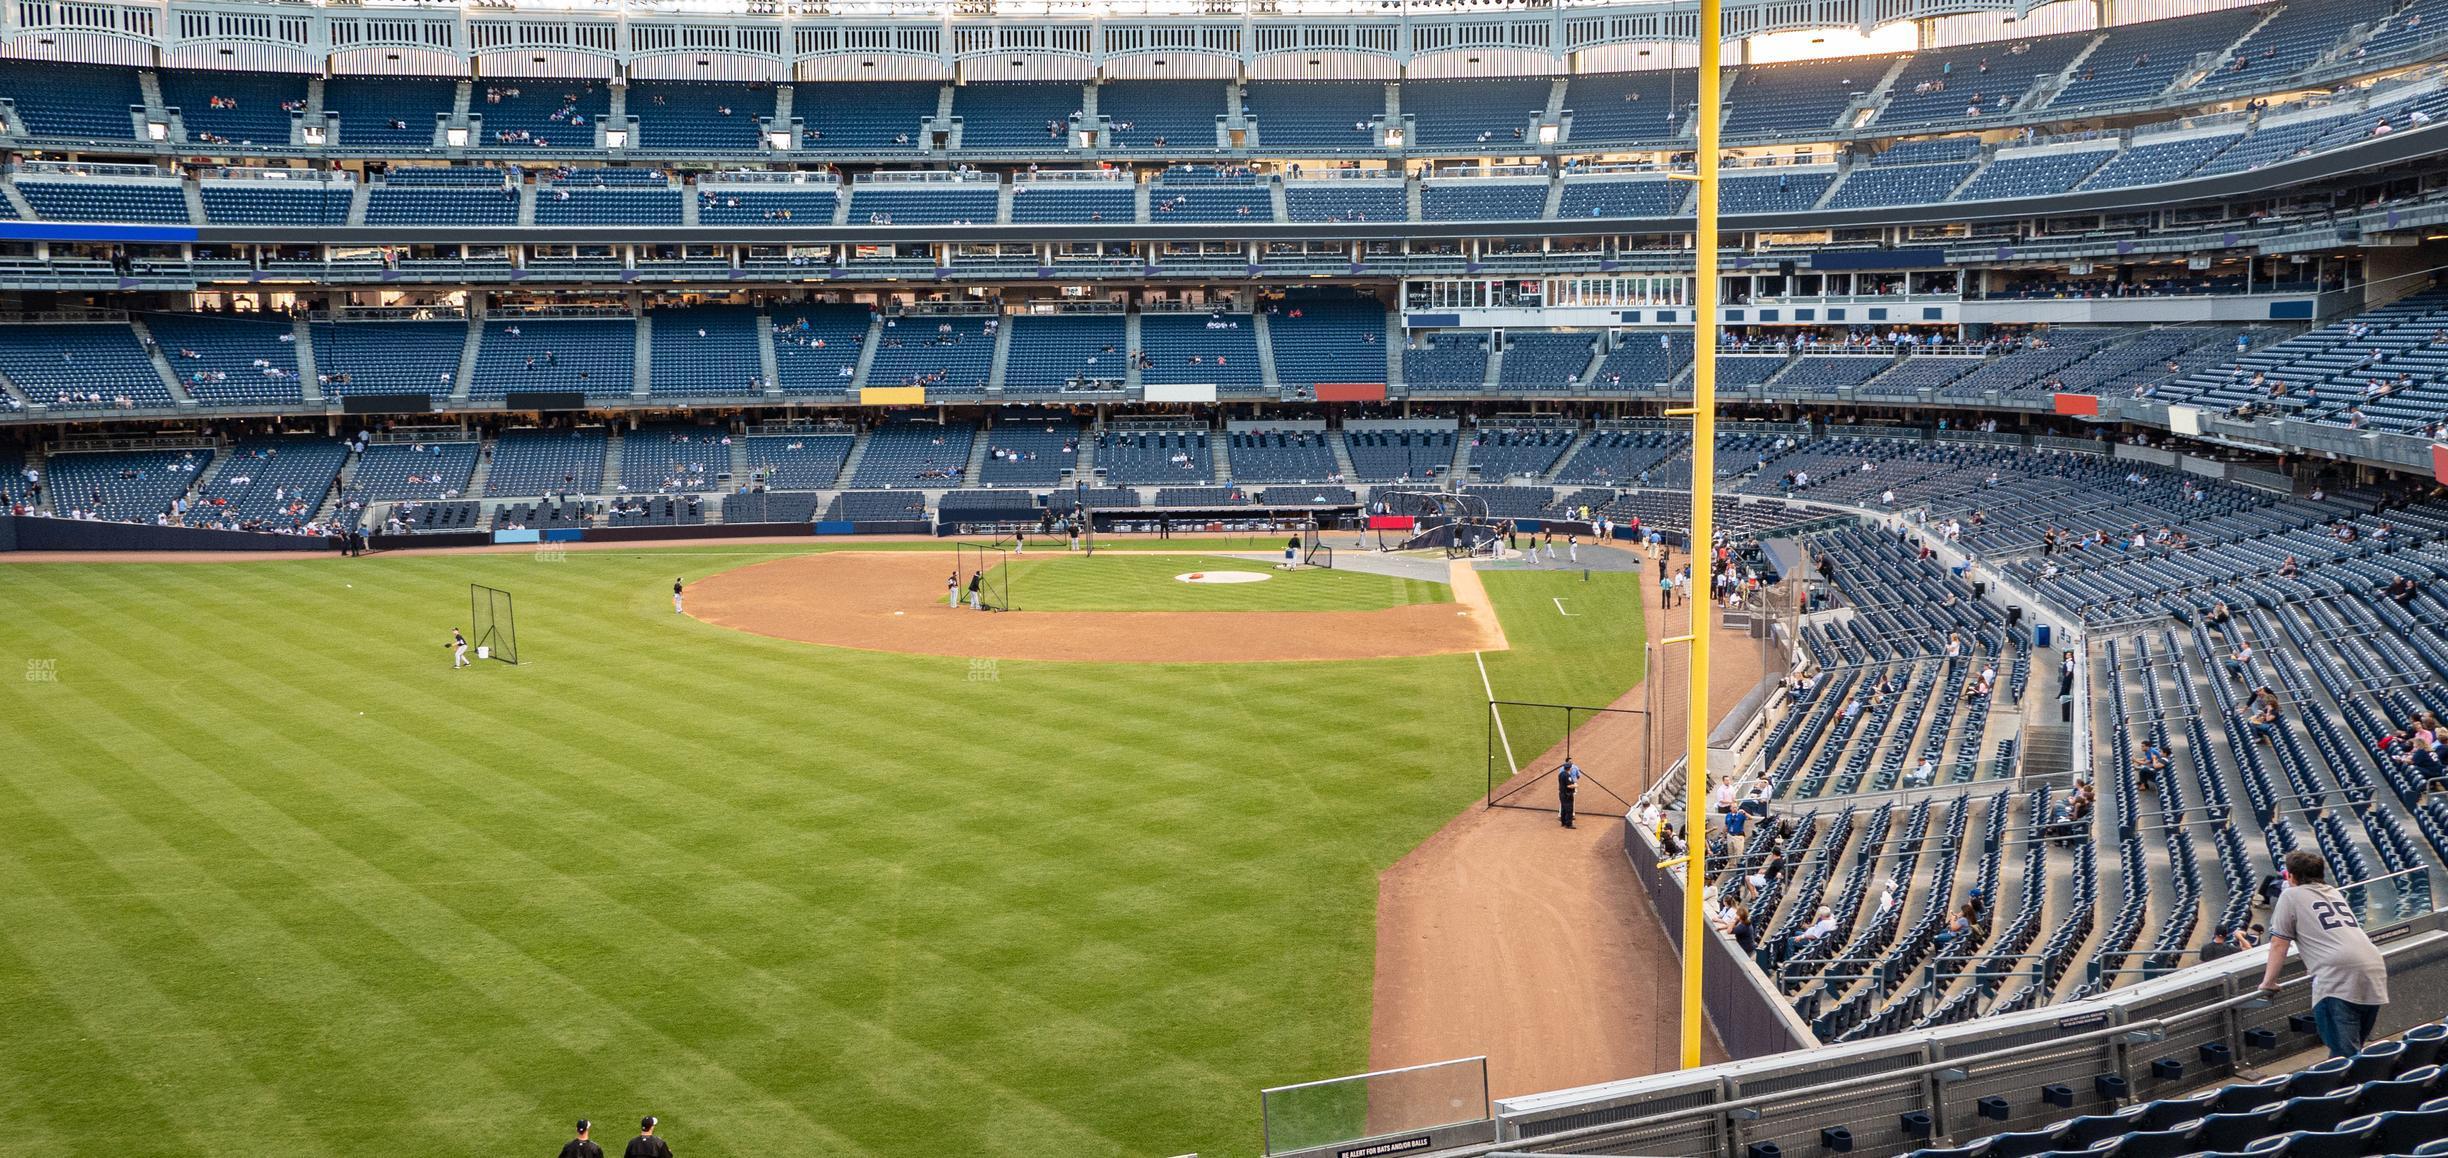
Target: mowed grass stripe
{"x":445,"y":936}
{"x":1116,"y":898}
{"x":705,"y":1007}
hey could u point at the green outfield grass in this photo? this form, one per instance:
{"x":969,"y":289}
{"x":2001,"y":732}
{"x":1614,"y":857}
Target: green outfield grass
{"x":276,"y":881}
{"x":1123,"y":582}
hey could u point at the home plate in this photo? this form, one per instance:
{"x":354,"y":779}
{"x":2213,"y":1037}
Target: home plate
{"x":1223,"y":577}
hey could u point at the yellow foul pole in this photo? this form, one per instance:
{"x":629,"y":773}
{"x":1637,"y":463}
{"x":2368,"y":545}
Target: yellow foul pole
{"x":1703,"y":529}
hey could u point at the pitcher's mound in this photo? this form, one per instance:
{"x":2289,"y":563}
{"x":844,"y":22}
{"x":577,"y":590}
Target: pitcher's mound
{"x":1225,"y":577}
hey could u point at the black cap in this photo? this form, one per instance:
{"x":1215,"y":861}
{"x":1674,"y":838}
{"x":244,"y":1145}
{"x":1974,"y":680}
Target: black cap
{"x":647,"y":1122}
{"x":584,"y":1125}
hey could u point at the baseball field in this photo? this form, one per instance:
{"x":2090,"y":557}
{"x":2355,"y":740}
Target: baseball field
{"x":276,"y":879}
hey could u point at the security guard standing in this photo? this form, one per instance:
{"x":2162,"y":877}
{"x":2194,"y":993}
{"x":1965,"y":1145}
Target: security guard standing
{"x":1568,"y":780}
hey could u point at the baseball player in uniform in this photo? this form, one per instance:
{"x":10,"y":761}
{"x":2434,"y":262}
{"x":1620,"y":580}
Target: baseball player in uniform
{"x":458,"y":645}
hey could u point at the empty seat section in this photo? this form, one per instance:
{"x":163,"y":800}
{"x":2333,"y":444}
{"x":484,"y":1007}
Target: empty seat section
{"x":130,"y":485}
{"x":1461,"y":113}
{"x":1400,"y":455}
{"x":1197,"y":348}
{"x":1143,"y":457}
{"x":1541,"y":361}
{"x":1942,"y":86}
{"x":581,"y":203}
{"x":86,"y":102}
{"x":1315,"y":116}
{"x":388,"y":357}
{"x":1650,"y":198}
{"x":1281,"y":455}
{"x":2149,"y":161}
{"x":277,"y":203}
{"x":540,"y":113}
{"x":273,"y":481}
{"x":146,"y":201}
{"x":2297,"y":37}
{"x":1784,"y":191}
{"x":593,"y":356}
{"x":393,"y":471}
{"x":77,"y":366}
{"x":923,"y":350}
{"x":1328,"y":337}
{"x":1520,"y":453}
{"x":705,"y":350}
{"x":241,"y":361}
{"x":1346,"y":201}
{"x":530,"y":461}
{"x":1874,"y":185}
{"x":1163,"y":114}
{"x":1799,"y":100}
{"x":910,"y":453}
{"x":798,"y":462}
{"x":1625,"y":108}
{"x":816,"y":347}
{"x":1016,"y":116}
{"x":688,"y":115}
{"x":1483,"y":200}
{"x":1448,"y":362}
{"x":1026,"y":452}
{"x":233,"y":108}
{"x":765,"y":204}
{"x":1050,"y":351}
{"x":941,"y":203}
{"x":434,"y":195}
{"x":1201,"y":194}
{"x":880,"y":116}
{"x":673,"y":458}
{"x":2034,"y":174}
{"x":391,"y":112}
{"x":1054,"y":202}
{"x":2138,"y":61}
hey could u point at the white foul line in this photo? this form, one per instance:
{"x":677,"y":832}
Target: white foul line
{"x":1559,"y":602}
{"x":1499,"y":716}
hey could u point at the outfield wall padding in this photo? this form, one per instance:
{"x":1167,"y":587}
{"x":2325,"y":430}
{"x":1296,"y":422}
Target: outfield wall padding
{"x":32,"y":533}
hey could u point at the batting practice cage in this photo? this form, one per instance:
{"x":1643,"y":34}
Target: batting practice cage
{"x":1459,"y":523}
{"x":985,"y":562}
{"x":1314,"y":553}
{"x":491,"y":626}
{"x":1527,"y":743}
